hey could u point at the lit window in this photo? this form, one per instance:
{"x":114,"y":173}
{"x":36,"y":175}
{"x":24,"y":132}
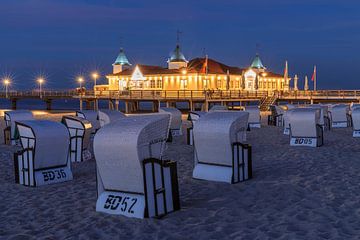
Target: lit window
{"x":152,"y":83}
{"x":159,"y":84}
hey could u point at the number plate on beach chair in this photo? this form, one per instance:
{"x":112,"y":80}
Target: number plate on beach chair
{"x":120,"y":203}
{"x":311,"y":142}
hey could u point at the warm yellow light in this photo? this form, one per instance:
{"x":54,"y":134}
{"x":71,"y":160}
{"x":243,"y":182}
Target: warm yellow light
{"x":80,"y":79}
{"x":40,"y":80}
{"x":184,"y":71}
{"x":6,"y":81}
{"x":95,"y":75}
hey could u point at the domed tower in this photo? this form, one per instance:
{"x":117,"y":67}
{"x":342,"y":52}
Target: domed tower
{"x":121,"y":62}
{"x":257,"y":64}
{"x":177,"y":60}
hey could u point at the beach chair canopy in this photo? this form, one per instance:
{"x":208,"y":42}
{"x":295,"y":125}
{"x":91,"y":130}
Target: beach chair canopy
{"x":19,"y":115}
{"x":91,"y":116}
{"x":121,"y":147}
{"x":175,"y":117}
{"x":304,"y":121}
{"x":218,"y":108}
{"x":79,"y":127}
{"x":339,"y":112}
{"x":356,"y":117}
{"x":254,"y":114}
{"x":214,"y":134}
{"x":195,"y":115}
{"x":51,"y":142}
{"x":109,"y":116}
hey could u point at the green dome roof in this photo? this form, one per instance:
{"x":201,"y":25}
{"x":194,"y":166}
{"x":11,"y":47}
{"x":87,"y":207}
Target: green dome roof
{"x":256,"y":63}
{"x":177,"y":56}
{"x":121,"y":59}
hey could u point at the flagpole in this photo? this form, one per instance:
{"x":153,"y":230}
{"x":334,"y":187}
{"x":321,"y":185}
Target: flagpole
{"x":315,"y":78}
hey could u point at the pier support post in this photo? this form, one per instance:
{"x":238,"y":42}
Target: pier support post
{"x":96,"y":104}
{"x":13,"y":103}
{"x":206,"y":106}
{"x":117,"y":105}
{"x":191,"y":105}
{"x":87,"y":105}
{"x":81,"y":104}
{"x":48,"y":104}
{"x":167,"y":104}
{"x":126,"y":107}
{"x":312,"y":101}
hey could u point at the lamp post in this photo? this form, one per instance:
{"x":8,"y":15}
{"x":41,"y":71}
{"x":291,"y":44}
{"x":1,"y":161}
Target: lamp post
{"x":80,"y":80}
{"x":6,"y":83}
{"x":40,"y":81}
{"x":95,"y":76}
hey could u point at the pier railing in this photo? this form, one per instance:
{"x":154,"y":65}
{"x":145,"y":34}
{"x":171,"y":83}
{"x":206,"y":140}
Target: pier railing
{"x":185,"y":94}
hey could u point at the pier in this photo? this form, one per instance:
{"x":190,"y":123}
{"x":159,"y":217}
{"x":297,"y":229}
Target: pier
{"x":194,"y":98}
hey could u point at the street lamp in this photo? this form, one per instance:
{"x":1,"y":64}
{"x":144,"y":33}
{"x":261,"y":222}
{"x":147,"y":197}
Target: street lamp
{"x":95,"y":76}
{"x":40,"y":81}
{"x":80,"y":80}
{"x":6,"y":83}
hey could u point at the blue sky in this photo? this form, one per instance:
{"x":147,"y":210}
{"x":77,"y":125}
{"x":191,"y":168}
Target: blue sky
{"x":64,"y":38}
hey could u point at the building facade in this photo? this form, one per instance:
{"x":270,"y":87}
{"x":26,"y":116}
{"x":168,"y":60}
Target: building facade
{"x":196,"y":74}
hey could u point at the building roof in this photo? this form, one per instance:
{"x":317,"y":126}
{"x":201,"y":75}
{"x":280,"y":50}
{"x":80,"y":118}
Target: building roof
{"x":122,"y":59}
{"x":177,"y":56}
{"x":256,"y":63}
{"x":195,"y":66}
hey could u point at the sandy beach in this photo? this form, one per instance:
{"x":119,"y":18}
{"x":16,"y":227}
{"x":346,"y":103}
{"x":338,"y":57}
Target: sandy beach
{"x":295,"y":193}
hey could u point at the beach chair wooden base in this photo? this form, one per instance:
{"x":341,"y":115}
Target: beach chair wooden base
{"x":254,"y":125}
{"x":26,"y":175}
{"x":161,"y":193}
{"x":356,"y":133}
{"x":339,"y":124}
{"x":240,"y":170}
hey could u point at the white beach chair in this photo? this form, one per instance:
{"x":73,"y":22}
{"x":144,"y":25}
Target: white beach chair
{"x":2,"y":128}
{"x":80,"y":131}
{"x":324,"y":120}
{"x":220,"y":153}
{"x":91,"y":116}
{"x":305,"y":129}
{"x":11,"y":117}
{"x":132,"y":178}
{"x":218,"y":108}
{"x":254,"y":116}
{"x":43,"y":159}
{"x":339,"y":115}
{"x":286,"y":119}
{"x":176,"y":122}
{"x":108,"y":116}
{"x":193,"y":116}
{"x":355,"y":114}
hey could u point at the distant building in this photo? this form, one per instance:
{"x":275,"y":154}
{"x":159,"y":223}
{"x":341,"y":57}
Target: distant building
{"x":196,"y":74}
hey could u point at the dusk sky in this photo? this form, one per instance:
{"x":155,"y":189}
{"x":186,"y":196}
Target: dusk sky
{"x":64,"y":38}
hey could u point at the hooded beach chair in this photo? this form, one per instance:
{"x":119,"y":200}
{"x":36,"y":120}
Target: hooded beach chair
{"x":286,"y":119}
{"x":109,"y":116}
{"x":220,"y":153}
{"x":355,"y":114}
{"x":339,"y":115}
{"x":193,"y":116}
{"x":91,"y":116}
{"x":132,"y":178}
{"x":305,"y":129}
{"x":218,"y":108}
{"x":276,"y":117}
{"x":10,"y":117}
{"x":44,"y":156}
{"x":254,"y":116}
{"x":176,"y":122}
{"x":80,"y":131}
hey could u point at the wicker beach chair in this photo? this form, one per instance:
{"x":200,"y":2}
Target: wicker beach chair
{"x":193,"y":116}
{"x":43,"y":159}
{"x":91,"y":116}
{"x":218,"y":108}
{"x":176,"y":122}
{"x":220,"y":153}
{"x":109,"y":116}
{"x":305,"y":128}
{"x":254,"y":116}
{"x":355,"y":114}
{"x":132,"y":178}
{"x":80,"y":131}
{"x":10,"y":117}
{"x":276,"y":117}
{"x":340,"y":116}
